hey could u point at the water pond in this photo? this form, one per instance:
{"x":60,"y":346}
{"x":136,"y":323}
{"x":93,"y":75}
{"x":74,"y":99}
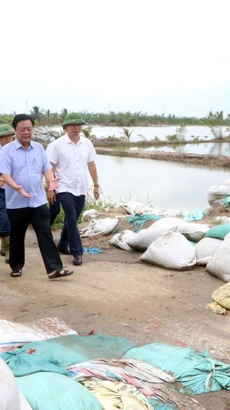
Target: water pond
{"x":161,"y":183}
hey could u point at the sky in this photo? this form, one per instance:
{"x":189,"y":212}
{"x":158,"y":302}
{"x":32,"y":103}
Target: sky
{"x":154,"y":56}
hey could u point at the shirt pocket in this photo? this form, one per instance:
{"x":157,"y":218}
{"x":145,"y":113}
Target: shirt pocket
{"x":37,"y":166}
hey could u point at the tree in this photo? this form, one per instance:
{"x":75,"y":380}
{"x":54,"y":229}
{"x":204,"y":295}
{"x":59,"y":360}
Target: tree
{"x":215,"y":122}
{"x":35,"y":112}
{"x":63,"y":113}
{"x":127,"y":134}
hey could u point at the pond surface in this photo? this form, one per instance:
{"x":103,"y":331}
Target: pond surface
{"x":203,"y":148}
{"x":159,"y":183}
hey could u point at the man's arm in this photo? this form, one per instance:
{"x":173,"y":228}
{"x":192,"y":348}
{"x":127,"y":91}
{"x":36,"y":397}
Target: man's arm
{"x":2,"y":182}
{"x":93,"y":173}
{"x":52,"y":184}
{"x":52,"y":181}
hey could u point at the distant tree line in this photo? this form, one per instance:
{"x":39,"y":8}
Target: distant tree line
{"x":122,"y":119}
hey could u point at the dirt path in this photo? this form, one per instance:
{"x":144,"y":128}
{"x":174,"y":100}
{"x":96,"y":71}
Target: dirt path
{"x":114,"y":293}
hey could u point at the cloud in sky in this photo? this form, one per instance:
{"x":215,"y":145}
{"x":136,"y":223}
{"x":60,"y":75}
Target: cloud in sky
{"x":152,"y":55}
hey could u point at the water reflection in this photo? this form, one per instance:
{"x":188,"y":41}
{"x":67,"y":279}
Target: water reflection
{"x":164,"y":184}
{"x":149,"y":133}
{"x":217,"y":148}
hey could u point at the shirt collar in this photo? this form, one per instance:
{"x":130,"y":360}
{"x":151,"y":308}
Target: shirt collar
{"x":19,"y":145}
{"x":68,"y":140}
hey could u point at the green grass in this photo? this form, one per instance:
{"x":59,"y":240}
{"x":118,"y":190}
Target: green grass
{"x":89,"y":204}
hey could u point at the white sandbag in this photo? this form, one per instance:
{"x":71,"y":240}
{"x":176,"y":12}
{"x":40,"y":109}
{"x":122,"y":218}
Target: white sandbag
{"x":120,"y":239}
{"x":218,"y":194}
{"x":219,"y":265}
{"x":13,"y":335}
{"x":171,"y":250}
{"x":193,"y":231}
{"x":206,"y":249}
{"x":142,"y":239}
{"x":100,"y":227}
{"x":24,"y":403}
{"x":134,"y":207}
{"x":10,"y":396}
{"x":91,"y":213}
{"x":168,"y":223}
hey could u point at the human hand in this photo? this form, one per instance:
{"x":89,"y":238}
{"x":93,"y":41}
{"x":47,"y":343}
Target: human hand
{"x":96,"y":192}
{"x":53,"y":184}
{"x":51,"y":196}
{"x":23,"y":192}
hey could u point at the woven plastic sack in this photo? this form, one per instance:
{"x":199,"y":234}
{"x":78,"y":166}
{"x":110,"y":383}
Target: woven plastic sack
{"x":219,"y":265}
{"x":171,"y":250}
{"x":206,"y":249}
{"x":198,"y":372}
{"x":53,"y":391}
{"x":218,"y":231}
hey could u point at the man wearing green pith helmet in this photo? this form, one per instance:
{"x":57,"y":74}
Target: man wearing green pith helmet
{"x":71,"y":155}
{"x":6,"y":136}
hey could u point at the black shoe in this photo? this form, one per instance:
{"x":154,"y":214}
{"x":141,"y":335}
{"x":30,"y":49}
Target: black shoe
{"x":77,"y":260}
{"x":64,"y":251}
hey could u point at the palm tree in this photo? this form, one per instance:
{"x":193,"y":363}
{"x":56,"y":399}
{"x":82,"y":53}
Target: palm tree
{"x":63,"y":113}
{"x":35,"y":112}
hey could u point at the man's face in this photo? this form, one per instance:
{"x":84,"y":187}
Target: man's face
{"x":5,"y":139}
{"x":24,"y":132}
{"x":73,"y":130}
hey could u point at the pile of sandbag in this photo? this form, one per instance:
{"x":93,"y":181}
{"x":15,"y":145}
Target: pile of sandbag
{"x":167,"y":242}
{"x":81,"y":372}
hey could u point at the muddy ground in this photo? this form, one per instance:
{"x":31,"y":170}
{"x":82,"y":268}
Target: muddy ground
{"x":116,"y":294}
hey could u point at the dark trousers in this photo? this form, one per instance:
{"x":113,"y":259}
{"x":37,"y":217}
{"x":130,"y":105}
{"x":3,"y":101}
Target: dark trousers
{"x":39,"y":218}
{"x":72,"y":206}
{"x":4,"y":220}
{"x":55,"y":209}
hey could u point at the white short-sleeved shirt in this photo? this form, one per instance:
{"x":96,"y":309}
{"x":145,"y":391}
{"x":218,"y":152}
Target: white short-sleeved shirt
{"x":71,"y":162}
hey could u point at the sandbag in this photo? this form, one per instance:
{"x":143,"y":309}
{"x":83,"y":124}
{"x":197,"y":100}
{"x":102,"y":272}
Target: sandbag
{"x":171,"y":250}
{"x":198,"y":372}
{"x":217,"y":195}
{"x":219,"y":265}
{"x":193,"y":231}
{"x":134,"y":207}
{"x":25,"y":361}
{"x":142,"y":239}
{"x":16,"y":334}
{"x":222,"y":296}
{"x":218,"y":231}
{"x":10,"y":396}
{"x":206,"y":249}
{"x":53,"y":391}
{"x":66,"y":350}
{"x":120,"y":239}
{"x":99,"y":227}
{"x":13,"y":335}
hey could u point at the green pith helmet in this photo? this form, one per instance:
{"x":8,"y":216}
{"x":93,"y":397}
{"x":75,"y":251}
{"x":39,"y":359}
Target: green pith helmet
{"x":73,"y":118}
{"x":6,"y":129}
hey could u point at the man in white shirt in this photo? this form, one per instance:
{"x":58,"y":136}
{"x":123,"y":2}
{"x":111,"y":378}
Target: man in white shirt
{"x":71,"y":156}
